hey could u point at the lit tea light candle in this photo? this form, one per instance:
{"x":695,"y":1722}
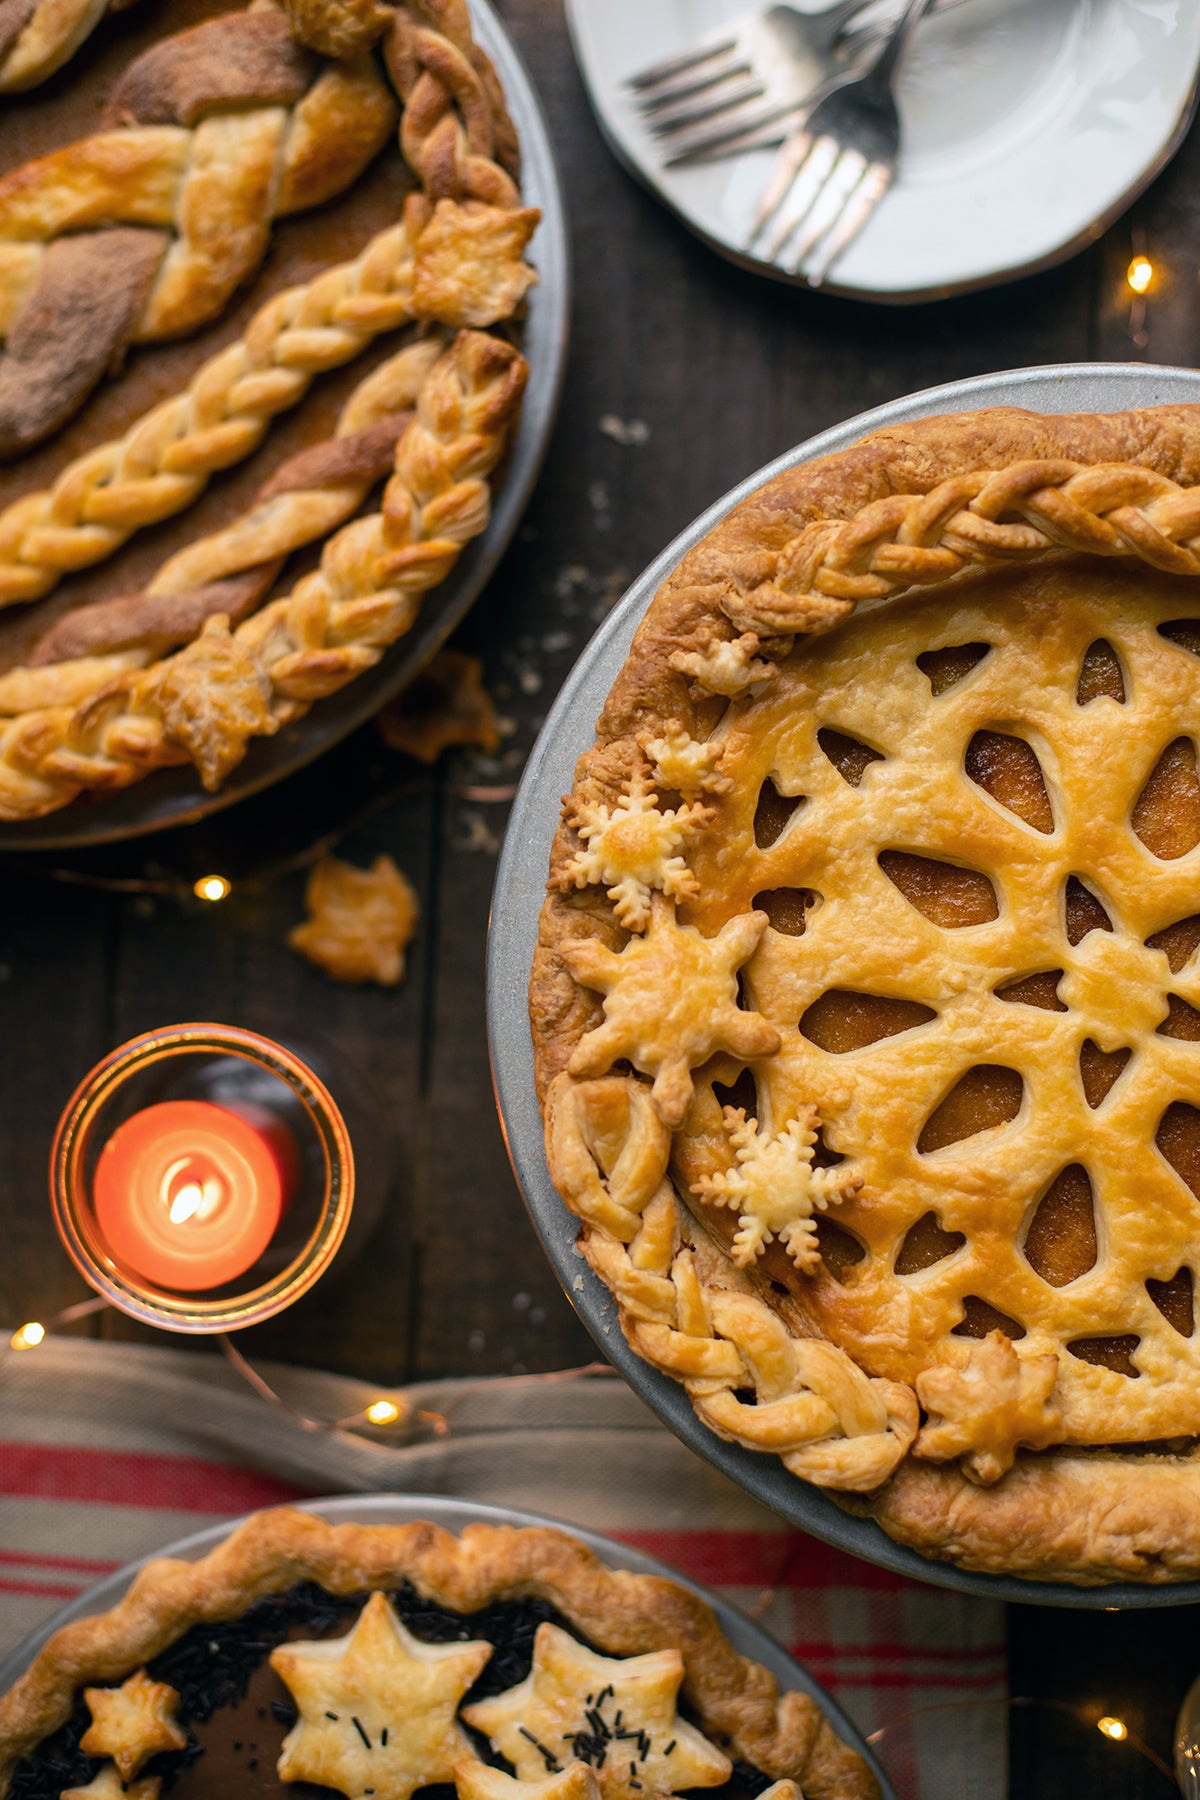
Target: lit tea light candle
{"x":188,"y":1195}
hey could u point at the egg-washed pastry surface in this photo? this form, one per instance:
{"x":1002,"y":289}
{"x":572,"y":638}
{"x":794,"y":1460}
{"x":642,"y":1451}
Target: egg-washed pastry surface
{"x":361,"y":352}
{"x":866,"y":1001}
{"x":383,"y":1660}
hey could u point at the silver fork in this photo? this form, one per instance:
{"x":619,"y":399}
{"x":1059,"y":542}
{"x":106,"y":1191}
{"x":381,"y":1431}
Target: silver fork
{"x":833,"y":172}
{"x":743,"y":76}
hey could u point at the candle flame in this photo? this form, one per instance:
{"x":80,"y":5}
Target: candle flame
{"x":28,"y":1337}
{"x":195,"y":1199}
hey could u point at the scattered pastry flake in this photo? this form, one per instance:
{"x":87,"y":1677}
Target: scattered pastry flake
{"x":984,"y":1409}
{"x":214,"y":698}
{"x":106,"y":1784}
{"x":447,"y":704}
{"x":728,"y":666}
{"x":617,"y":1714}
{"x":671,"y":1003}
{"x":132,"y":1723}
{"x":360,"y":921}
{"x":633,"y":848}
{"x":775,"y":1188}
{"x":683,"y":765}
{"x":479,"y":1781}
{"x":377,"y":1707}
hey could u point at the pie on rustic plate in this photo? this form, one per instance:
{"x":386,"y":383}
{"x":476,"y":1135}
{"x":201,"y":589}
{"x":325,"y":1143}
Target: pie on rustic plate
{"x":252,"y":274}
{"x":867,"y":1007}
{"x":380,"y":1660}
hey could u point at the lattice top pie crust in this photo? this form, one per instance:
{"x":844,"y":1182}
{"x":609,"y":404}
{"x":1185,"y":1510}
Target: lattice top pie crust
{"x":867,"y":1007}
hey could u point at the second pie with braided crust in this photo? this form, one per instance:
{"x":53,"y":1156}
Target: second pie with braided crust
{"x":867,"y":998}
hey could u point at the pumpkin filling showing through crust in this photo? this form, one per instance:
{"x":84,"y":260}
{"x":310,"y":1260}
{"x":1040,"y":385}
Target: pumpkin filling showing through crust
{"x":981,"y":959}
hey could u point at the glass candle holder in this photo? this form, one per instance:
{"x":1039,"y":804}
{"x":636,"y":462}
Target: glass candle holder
{"x":185,"y":1078}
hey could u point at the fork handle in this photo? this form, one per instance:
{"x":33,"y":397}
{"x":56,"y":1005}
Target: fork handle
{"x":883,"y":69}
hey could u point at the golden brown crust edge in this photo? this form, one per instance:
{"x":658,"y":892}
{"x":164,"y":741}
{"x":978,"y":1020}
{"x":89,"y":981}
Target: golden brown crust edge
{"x":1085,"y":1520}
{"x":623,"y":1614}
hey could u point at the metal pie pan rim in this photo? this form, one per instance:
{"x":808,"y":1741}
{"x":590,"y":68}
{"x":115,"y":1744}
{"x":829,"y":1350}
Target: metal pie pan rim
{"x":516,"y":902}
{"x":398,"y":1509}
{"x":174,"y":797}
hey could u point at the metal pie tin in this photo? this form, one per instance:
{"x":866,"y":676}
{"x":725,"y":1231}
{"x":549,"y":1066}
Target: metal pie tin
{"x":520,"y":889}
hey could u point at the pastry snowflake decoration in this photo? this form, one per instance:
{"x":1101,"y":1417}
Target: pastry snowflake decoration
{"x":571,"y":1706}
{"x":726,"y":666}
{"x":983,"y":1410}
{"x":774,"y":1187}
{"x":377,"y":1707}
{"x":682,"y":764}
{"x":633,"y":848}
{"x":671,"y":1002}
{"x":132,"y":1723}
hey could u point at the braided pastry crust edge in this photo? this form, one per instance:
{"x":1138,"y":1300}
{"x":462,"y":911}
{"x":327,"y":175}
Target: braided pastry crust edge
{"x":623,"y":1614}
{"x":795,"y":557}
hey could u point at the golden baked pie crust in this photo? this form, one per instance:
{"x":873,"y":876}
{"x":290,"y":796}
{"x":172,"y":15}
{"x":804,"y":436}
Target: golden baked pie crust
{"x":785,"y":1736}
{"x":987,"y":528}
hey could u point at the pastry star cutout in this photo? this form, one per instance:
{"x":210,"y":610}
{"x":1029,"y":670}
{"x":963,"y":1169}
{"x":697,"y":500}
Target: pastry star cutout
{"x":360,"y":921}
{"x":479,"y":1781}
{"x":377,"y":1707}
{"x":996,"y":1401}
{"x":683,"y":765}
{"x":671,"y":1002}
{"x":106,"y":1784}
{"x":774,"y":1187}
{"x":616,"y":1714}
{"x":132,"y":1723}
{"x":632,"y":848}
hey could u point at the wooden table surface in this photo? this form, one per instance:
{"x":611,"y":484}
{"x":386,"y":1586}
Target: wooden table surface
{"x":725,"y":370}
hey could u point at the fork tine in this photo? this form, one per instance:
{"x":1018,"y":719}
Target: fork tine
{"x":712,"y":69}
{"x":861,"y":204}
{"x":694,"y":146}
{"x":676,"y":65}
{"x":696,"y":111}
{"x":759,"y":137}
{"x":811,"y":177}
{"x":787,"y":167}
{"x":829,"y":205}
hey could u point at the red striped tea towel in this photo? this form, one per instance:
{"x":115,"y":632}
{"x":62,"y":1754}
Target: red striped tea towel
{"x":109,"y":1451}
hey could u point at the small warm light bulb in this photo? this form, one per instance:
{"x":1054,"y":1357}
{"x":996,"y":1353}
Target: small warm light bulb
{"x":211,"y":887}
{"x":383,"y":1412}
{"x":1140,"y":274}
{"x":1116,"y":1729}
{"x":28,"y":1337}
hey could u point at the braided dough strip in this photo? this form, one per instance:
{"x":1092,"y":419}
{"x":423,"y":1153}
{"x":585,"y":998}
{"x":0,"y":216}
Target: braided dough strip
{"x":206,"y":702}
{"x":690,"y":1314}
{"x":144,"y":230}
{"x":930,"y":522}
{"x":164,"y":461}
{"x":230,"y":570}
{"x":39,"y":36}
{"x":622,"y":1614}
{"x":455,"y":257}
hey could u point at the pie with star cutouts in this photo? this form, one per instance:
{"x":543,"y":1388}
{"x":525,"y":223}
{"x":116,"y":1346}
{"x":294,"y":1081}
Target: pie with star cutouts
{"x":873,"y":1071}
{"x":383,"y":1661}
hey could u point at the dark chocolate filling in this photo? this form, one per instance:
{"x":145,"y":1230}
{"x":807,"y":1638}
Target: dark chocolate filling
{"x":237,"y":1710}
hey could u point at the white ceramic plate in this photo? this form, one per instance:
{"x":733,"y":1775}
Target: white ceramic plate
{"x":1029,"y":125}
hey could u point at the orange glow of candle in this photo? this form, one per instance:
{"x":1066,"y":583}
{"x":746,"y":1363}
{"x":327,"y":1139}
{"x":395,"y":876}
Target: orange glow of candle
{"x":188,"y":1195}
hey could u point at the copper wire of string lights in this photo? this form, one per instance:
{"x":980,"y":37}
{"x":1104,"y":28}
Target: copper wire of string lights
{"x":393,"y":1412}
